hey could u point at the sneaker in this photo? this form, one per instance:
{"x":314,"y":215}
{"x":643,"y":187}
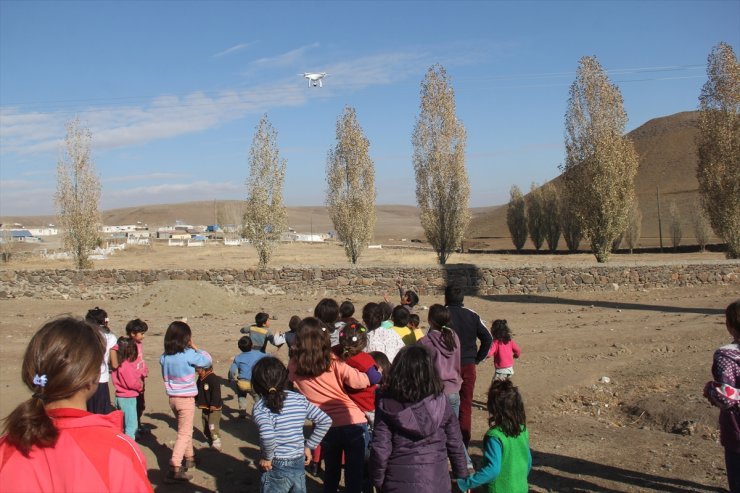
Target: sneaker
{"x":177,"y":475}
{"x":216,"y":444}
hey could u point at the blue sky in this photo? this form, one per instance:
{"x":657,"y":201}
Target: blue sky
{"x":172,"y":91}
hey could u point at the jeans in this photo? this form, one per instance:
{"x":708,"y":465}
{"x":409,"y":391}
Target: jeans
{"x":184,"y":410}
{"x":349,"y":439}
{"x":466,"y":401}
{"x":732,"y":463}
{"x":286,"y":476}
{"x":130,"y":421}
{"x":454,"y":400}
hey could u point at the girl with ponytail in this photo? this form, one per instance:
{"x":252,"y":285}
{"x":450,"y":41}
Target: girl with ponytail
{"x":280,"y":415}
{"x":50,"y":442}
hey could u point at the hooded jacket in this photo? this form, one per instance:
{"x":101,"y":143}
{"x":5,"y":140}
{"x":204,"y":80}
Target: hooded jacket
{"x":447,"y":361}
{"x":411,"y":445}
{"x":91,"y":454}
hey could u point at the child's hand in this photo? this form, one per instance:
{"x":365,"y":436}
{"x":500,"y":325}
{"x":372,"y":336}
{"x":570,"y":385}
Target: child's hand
{"x":306,"y":456}
{"x":385,"y":297}
{"x":265,"y":465}
{"x":399,"y":282}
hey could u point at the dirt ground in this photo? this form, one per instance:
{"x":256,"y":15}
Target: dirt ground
{"x":647,"y":429}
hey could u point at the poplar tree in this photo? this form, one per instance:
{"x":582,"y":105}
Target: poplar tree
{"x":350,"y":179}
{"x":634,"y":227}
{"x":536,"y":216}
{"x":601,"y":163}
{"x":516,"y":218}
{"x":442,"y":188}
{"x":265,"y":217}
{"x":718,"y":145}
{"x":551,"y":206}
{"x":78,"y":195}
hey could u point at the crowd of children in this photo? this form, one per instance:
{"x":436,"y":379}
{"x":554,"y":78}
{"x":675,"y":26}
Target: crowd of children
{"x":393,"y":422}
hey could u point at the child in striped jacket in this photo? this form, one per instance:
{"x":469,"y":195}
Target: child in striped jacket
{"x":280,"y":415}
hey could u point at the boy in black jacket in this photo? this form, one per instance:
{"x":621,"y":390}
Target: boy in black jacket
{"x":209,"y":401}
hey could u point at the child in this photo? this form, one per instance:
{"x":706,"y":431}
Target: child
{"x":322,"y":377}
{"x":415,"y":322}
{"x":722,"y":392}
{"x":504,"y":350}
{"x":289,"y":337}
{"x":179,"y":360}
{"x":347,"y":312}
{"x":260,"y":332}
{"x":445,"y":348}
{"x":240,"y":372}
{"x":280,"y":415}
{"x":415,"y":430}
{"x":99,"y":402}
{"x":352,"y":341}
{"x":210,"y":403}
{"x":378,"y":338}
{"x":506,"y":453}
{"x":128,"y":380}
{"x":136,"y":330}
{"x":400,"y":326}
{"x":383,"y":364}
{"x":50,"y":442}
{"x":327,"y":311}
{"x":409,"y":299}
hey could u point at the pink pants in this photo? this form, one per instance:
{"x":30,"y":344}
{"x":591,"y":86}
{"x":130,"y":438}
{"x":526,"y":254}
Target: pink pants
{"x":184,"y":409}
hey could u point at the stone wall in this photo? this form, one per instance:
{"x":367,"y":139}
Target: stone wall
{"x":321,"y":281}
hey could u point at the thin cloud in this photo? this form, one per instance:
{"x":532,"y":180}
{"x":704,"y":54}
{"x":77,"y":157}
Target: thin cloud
{"x":285,"y":59}
{"x":233,"y":49}
{"x":144,"y":177}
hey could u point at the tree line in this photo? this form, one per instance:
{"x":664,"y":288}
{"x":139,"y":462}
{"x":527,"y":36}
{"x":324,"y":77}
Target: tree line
{"x":596,"y":201}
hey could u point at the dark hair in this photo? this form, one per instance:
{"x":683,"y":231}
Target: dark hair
{"x":439,"y":319}
{"x":383,"y":363}
{"x":293,"y":323}
{"x":412,"y":297}
{"x":98,"y":317}
{"x":66,"y":353}
{"x":500,"y":331}
{"x":245,"y":343}
{"x":261,"y":318}
{"x":414,"y":320}
{"x":372,"y":316}
{"x":327,"y":310}
{"x":413,"y":375}
{"x":177,"y":338}
{"x":505,"y":407}
{"x":312,"y":352}
{"x":400,"y":316}
{"x":346,"y":309}
{"x":386,"y":309}
{"x":269,"y":379}
{"x":732,"y":316}
{"x":454,"y":295}
{"x":353,"y":339}
{"x":136,"y":326}
{"x":127,"y":350}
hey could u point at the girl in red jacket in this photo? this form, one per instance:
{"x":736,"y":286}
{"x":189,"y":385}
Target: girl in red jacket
{"x":50,"y":442}
{"x":504,"y":350}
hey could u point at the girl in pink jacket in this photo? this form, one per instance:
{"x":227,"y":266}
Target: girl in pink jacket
{"x":504,"y":350}
{"x":50,"y":442}
{"x":128,"y":380}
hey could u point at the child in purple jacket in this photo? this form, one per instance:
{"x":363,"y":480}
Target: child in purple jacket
{"x":723,"y":393}
{"x":416,"y":432}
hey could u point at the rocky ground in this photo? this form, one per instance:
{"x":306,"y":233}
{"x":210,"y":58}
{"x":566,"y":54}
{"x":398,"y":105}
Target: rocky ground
{"x":645,"y":427}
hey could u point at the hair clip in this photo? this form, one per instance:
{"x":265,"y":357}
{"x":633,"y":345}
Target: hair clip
{"x":363,"y":329}
{"x":354,"y":338}
{"x":40,"y":380}
{"x":341,"y":334}
{"x":272,"y":390}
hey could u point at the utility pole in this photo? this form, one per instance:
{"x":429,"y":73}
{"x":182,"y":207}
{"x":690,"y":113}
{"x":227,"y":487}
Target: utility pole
{"x":660,"y":225}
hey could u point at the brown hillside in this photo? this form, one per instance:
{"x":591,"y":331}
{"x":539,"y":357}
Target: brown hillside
{"x":668,"y":160}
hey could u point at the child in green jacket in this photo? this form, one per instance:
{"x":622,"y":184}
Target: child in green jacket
{"x":505,"y":445}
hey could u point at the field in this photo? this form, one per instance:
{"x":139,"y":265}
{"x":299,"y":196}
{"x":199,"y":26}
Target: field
{"x":648,"y":429}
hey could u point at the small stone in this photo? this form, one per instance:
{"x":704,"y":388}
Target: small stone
{"x":605,"y":379}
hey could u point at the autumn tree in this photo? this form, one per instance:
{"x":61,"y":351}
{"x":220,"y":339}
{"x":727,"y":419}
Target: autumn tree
{"x":536,"y":216}
{"x":350,"y":179}
{"x":551,"y":207}
{"x":701,"y":226}
{"x":569,"y":223}
{"x":78,"y":195}
{"x":718,"y":145}
{"x":601,"y":163}
{"x":516,"y":218}
{"x":674,"y":225}
{"x":634,"y":226}
{"x":265,"y":217}
{"x":442,"y":188}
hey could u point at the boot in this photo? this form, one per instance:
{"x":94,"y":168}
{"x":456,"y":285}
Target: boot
{"x":177,"y":475}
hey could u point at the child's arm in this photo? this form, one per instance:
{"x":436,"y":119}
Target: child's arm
{"x":454,"y":444}
{"x":722,"y":392}
{"x":515,"y":349}
{"x":492,"y":453}
{"x":215,"y":403}
{"x":380,"y":450}
{"x":267,"y":435}
{"x":233,"y":370}
{"x":322,"y":423}
{"x":373,"y":375}
{"x":351,"y":377}
{"x":114,"y":357}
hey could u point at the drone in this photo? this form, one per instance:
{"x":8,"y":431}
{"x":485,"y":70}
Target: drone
{"x":314,"y":78}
